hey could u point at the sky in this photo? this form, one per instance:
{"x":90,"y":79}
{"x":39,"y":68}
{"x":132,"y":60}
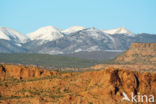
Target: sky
{"x":25,"y":16}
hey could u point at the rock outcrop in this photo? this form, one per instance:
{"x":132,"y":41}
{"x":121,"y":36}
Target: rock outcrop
{"x":139,"y":53}
{"x":23,"y":72}
{"x":139,"y":57}
{"x":24,"y":85}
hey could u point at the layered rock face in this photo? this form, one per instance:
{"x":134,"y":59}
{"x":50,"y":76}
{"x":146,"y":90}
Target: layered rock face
{"x":30,"y":85}
{"x":139,"y":53}
{"x":143,"y":45}
{"x":22,"y":72}
{"x":139,"y":57}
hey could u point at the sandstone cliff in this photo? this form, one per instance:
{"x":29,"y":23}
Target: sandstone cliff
{"x":30,"y":85}
{"x":22,"y":72}
{"x":139,"y":57}
{"x":139,"y":53}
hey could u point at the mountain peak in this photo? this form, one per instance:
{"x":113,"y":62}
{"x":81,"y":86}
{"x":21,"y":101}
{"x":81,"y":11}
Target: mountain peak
{"x":73,"y":29}
{"x":10,"y":34}
{"x":92,"y":28}
{"x":121,"y":30}
{"x":46,"y":33}
{"x":48,"y":28}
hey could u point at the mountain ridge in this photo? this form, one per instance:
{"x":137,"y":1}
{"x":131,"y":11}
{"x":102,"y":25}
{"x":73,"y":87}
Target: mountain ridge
{"x":121,"y":30}
{"x":10,"y":34}
{"x":72,"y":29}
{"x":51,"y":40}
{"x":45,"y":33}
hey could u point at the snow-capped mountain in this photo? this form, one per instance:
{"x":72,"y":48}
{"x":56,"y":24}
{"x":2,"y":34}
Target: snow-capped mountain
{"x":92,"y":39}
{"x":51,"y":40}
{"x":121,"y":30}
{"x":12,"y":35}
{"x":11,"y":41}
{"x":89,"y":39}
{"x":47,"y":33}
{"x":72,"y":29}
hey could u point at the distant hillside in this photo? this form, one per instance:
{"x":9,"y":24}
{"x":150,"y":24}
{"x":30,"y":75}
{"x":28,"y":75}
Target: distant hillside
{"x":98,"y":55}
{"x":138,"y":53}
{"x":46,"y":60}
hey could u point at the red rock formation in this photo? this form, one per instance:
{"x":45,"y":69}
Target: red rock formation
{"x":23,"y":72}
{"x":139,"y":53}
{"x":38,"y":86}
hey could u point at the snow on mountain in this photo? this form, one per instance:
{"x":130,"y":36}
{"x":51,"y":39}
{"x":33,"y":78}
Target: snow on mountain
{"x":47,"y":33}
{"x":72,"y":29}
{"x":12,"y":35}
{"x":54,"y":41}
{"x":121,"y":30}
{"x":97,"y":34}
{"x":89,"y":39}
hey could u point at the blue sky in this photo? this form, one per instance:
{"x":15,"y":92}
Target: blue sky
{"x":28,"y":15}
